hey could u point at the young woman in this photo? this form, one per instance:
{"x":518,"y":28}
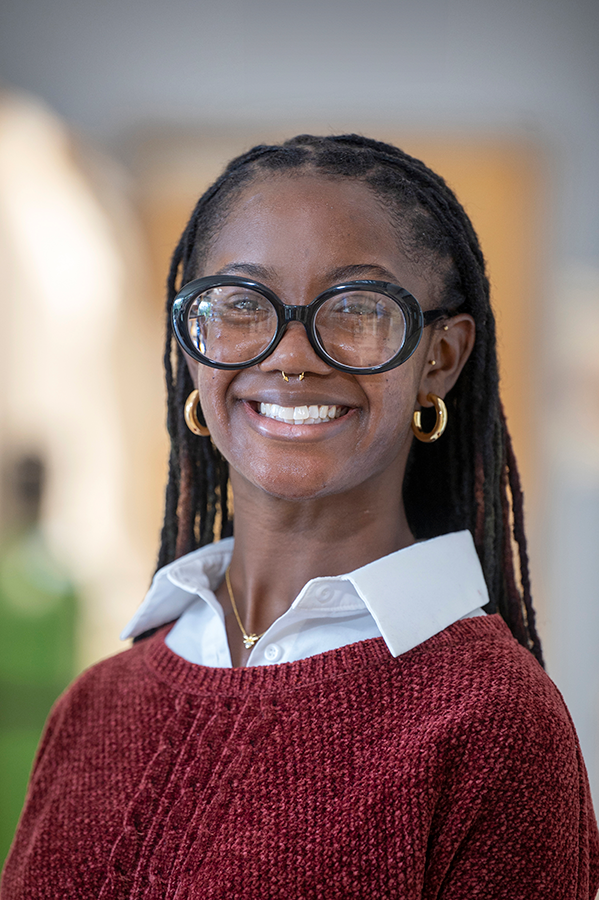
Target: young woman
{"x":351,"y":700}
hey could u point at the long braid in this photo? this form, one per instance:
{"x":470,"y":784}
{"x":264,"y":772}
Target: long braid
{"x":461,"y":481}
{"x":520,"y":538}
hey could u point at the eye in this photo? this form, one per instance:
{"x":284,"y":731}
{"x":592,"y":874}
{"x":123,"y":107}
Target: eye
{"x":360,"y":305}
{"x":227,"y":302}
{"x":244,"y":303}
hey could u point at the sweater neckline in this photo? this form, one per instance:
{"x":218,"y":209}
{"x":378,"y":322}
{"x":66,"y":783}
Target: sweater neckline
{"x":189,"y":677}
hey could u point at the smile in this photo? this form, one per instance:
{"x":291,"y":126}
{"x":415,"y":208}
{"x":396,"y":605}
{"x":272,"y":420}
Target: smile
{"x":301,"y":415}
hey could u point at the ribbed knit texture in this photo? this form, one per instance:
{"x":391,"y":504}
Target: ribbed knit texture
{"x":451,"y":772}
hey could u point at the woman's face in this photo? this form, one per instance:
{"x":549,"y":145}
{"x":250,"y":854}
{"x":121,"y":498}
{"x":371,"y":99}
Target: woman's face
{"x":299,"y":236}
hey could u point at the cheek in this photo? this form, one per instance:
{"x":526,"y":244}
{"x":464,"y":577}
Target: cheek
{"x":392,"y":406}
{"x":223,"y":417}
{"x":212,"y":385}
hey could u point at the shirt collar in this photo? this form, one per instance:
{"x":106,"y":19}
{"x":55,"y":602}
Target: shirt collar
{"x":177,"y":585}
{"x":421,"y":590}
{"x":411,"y":594}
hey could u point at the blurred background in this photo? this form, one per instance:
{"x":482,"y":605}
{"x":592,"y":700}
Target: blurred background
{"x":114,"y":116}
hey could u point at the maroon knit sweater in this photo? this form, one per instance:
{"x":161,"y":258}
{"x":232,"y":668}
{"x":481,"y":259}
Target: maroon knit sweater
{"x":451,"y":772}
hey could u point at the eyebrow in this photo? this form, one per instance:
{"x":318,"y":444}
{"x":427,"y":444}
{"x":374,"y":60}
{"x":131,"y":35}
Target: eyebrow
{"x":340,"y":274}
{"x":367,"y":270}
{"x":254,"y":270}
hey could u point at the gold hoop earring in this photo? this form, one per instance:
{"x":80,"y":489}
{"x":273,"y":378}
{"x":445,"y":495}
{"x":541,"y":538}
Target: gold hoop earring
{"x":191,"y":415}
{"x":440,"y":423}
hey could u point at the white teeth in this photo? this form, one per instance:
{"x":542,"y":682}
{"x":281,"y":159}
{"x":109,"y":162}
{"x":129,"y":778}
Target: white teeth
{"x":302,"y":415}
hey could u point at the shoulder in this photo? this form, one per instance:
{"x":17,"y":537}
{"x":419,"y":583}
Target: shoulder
{"x":113,"y":674}
{"x":509,"y":802}
{"x":481,"y":652}
{"x":477,"y":676}
{"x":105,"y":696}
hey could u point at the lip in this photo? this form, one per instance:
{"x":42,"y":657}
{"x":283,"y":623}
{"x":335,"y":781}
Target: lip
{"x":297,"y":398}
{"x":283,"y":431}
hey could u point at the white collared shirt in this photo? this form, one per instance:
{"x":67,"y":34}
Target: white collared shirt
{"x":405,"y":598}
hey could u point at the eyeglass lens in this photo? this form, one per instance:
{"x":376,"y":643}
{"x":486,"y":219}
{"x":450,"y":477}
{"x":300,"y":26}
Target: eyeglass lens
{"x":233,"y":325}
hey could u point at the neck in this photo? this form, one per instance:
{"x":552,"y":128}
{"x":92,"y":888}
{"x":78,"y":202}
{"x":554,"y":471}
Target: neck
{"x":280,"y":544}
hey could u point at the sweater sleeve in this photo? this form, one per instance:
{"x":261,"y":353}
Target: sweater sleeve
{"x":528,"y":826}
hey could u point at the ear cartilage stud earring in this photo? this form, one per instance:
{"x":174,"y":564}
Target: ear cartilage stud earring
{"x":446,"y":328}
{"x":432,"y":362}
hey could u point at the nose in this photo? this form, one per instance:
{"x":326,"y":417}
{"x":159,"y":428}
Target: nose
{"x":294,"y":354}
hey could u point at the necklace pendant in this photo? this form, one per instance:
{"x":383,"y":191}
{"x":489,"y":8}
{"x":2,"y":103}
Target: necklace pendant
{"x":249,"y":640}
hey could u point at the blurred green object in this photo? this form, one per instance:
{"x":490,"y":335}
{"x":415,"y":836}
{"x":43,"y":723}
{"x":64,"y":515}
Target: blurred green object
{"x":38,"y":609}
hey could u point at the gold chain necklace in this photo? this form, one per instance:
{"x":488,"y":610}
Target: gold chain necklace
{"x":248,"y":639}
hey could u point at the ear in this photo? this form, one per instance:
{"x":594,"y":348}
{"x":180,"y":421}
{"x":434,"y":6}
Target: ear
{"x":450,"y":346}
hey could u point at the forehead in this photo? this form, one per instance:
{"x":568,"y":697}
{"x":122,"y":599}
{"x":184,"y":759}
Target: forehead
{"x":306,"y":224}
{"x":305,"y":206}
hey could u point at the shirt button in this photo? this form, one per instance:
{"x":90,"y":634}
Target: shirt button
{"x":324,"y":593}
{"x":272,"y":652}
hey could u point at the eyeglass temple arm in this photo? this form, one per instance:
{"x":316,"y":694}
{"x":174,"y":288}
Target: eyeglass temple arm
{"x":431,"y":315}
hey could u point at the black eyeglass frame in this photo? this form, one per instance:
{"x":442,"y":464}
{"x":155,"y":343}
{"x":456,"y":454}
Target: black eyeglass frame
{"x":416,"y":320}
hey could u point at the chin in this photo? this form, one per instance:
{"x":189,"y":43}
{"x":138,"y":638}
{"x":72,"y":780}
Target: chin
{"x":295,"y":492}
{"x":293,"y":483}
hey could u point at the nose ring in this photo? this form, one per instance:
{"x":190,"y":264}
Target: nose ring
{"x":300,"y":377}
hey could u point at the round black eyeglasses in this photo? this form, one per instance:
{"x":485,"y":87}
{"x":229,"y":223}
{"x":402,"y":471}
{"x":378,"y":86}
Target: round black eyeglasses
{"x":361,"y":327}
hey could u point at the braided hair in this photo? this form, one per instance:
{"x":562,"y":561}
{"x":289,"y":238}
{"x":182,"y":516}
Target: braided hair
{"x":469,"y":479}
